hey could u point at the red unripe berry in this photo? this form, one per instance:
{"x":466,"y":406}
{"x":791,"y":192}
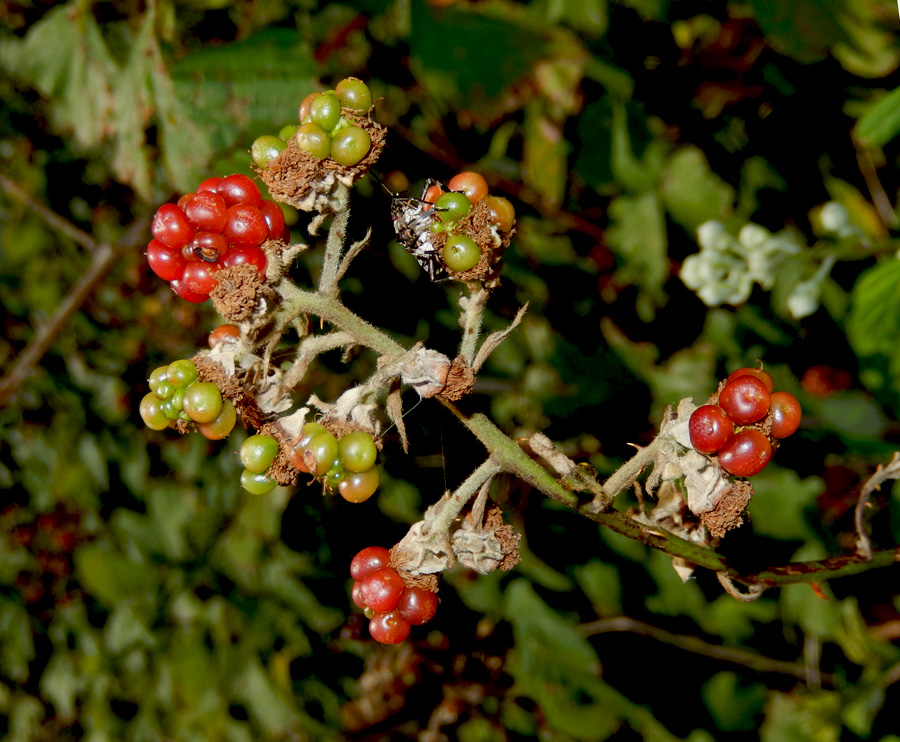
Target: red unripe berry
{"x":246,"y":256}
{"x":274,"y":217}
{"x":210,"y":184}
{"x":185,"y":293}
{"x":171,"y":227}
{"x":417,"y":605}
{"x":472,"y":184}
{"x":368,"y":560}
{"x":745,"y":399}
{"x":431,"y":195}
{"x":785,"y":414}
{"x":239,"y":189}
{"x":166,"y":263}
{"x":355,"y":594}
{"x":246,"y":226}
{"x":746,"y":454}
{"x":209,"y":247}
{"x":381,"y":590}
{"x":389,"y":628}
{"x":710,"y":428}
{"x":197,"y":277}
{"x":206,"y":211}
{"x":760,"y":373}
{"x":224,"y":334}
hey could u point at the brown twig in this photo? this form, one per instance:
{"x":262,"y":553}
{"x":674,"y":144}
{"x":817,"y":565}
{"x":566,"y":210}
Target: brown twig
{"x":54,"y":220}
{"x":104,"y":256}
{"x":698,"y":646}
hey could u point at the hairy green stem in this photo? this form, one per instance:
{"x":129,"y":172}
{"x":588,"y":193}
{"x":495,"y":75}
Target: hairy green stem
{"x":334,"y":245}
{"x":450,"y":506}
{"x":471,"y":321}
{"x":297,"y":302}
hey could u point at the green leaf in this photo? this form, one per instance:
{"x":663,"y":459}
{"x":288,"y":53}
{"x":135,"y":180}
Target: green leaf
{"x":637,"y":235}
{"x":732,"y":704}
{"x":802,"y":716}
{"x":469,"y":53}
{"x":880,"y":123}
{"x":601,"y":584}
{"x":557,"y":667}
{"x":61,"y":684}
{"x":779,"y":501}
{"x":544,"y":166}
{"x":16,"y":641}
{"x":110,"y":576}
{"x":691,"y":192}
{"x":255,"y":688}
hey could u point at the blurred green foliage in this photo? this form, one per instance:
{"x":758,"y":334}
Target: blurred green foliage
{"x":144,"y":596}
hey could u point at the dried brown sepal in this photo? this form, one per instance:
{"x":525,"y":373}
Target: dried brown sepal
{"x":400,"y":562}
{"x":232,"y":387}
{"x":239,"y":292}
{"x":488,"y":547}
{"x":281,"y":470}
{"x":728,"y":513}
{"x":460,"y":379}
{"x":307,"y":183}
{"x":477,"y":224}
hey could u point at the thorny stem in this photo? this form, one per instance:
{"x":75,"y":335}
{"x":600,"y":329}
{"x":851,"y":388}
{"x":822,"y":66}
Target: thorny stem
{"x":451,"y":504}
{"x":512,"y":459}
{"x":334,"y":245}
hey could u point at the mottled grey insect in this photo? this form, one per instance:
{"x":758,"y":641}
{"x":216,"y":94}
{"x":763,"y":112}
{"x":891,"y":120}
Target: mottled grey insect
{"x":412,"y":223}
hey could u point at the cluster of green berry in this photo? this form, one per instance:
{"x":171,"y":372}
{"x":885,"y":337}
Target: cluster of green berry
{"x":744,"y":421}
{"x":328,"y":127}
{"x":257,"y":454}
{"x":176,"y":395}
{"x":346,"y":464}
{"x":460,"y":252}
{"x":391,"y":605}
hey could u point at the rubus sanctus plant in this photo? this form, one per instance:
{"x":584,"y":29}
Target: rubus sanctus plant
{"x":226,"y":242}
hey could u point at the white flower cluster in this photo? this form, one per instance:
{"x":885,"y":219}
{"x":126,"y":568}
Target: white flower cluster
{"x":725,"y":269}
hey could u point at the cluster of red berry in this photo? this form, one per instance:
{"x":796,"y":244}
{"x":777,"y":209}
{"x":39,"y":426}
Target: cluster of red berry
{"x":460,"y":252}
{"x":325,"y":129}
{"x":744,"y":422}
{"x":222,"y":224}
{"x":177,"y":395}
{"x":391,"y":606}
{"x":346,"y":463}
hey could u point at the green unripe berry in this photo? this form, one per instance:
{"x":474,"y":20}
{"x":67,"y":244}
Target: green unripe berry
{"x":350,"y":145}
{"x":287,"y":132}
{"x":181,"y":374}
{"x":255,"y":483}
{"x":158,"y":375}
{"x":164,"y":389}
{"x":152,"y":413}
{"x":222,"y":425}
{"x":325,"y":110}
{"x":358,"y":451}
{"x":323,"y":450}
{"x":203,"y":401}
{"x":173,"y":406}
{"x":266,"y":148}
{"x":314,"y":139}
{"x":452,"y":206}
{"x":258,"y":452}
{"x":354,"y":94}
{"x":335,"y":474}
{"x":460,"y":253}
